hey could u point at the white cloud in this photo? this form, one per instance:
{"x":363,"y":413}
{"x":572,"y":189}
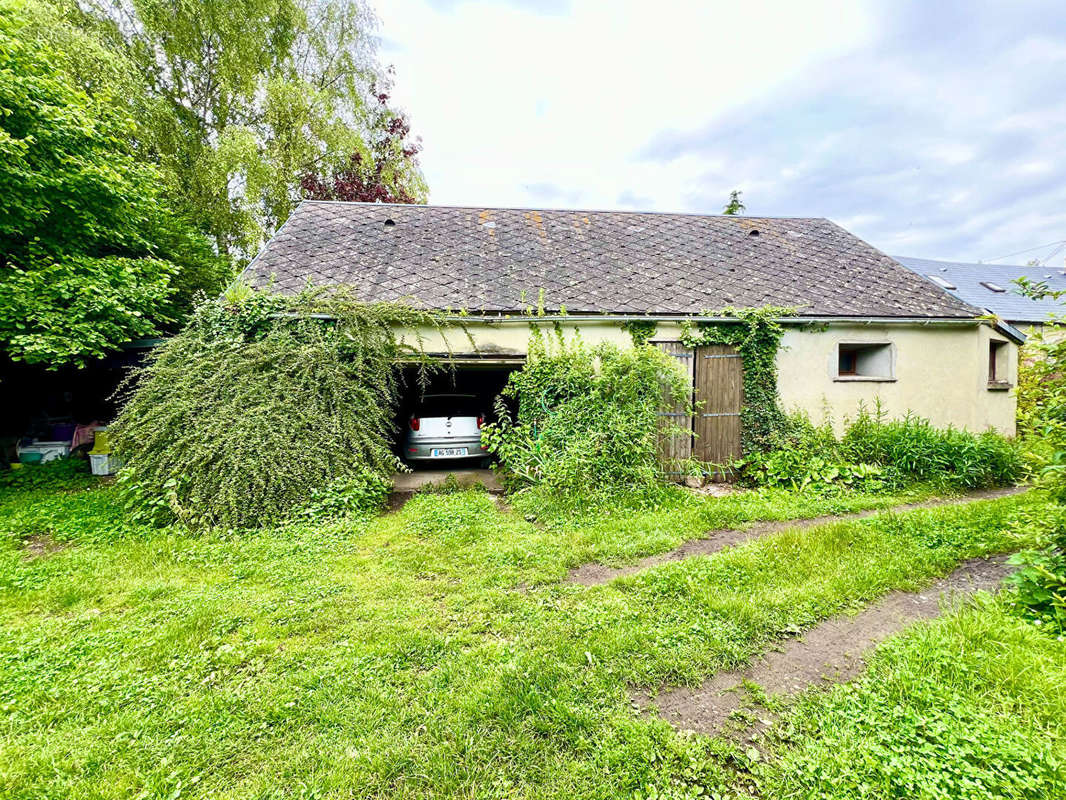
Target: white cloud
{"x":504,"y":96}
{"x":930,"y":129}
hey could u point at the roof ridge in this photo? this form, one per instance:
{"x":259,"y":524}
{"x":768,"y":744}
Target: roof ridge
{"x":560,"y":210}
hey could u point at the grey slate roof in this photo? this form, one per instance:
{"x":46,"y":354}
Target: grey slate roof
{"x":618,"y":262}
{"x":1011,"y":305}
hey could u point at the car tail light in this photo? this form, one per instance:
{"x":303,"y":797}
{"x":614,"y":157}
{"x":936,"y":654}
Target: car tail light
{"x":480,"y":421}
{"x":416,"y":423}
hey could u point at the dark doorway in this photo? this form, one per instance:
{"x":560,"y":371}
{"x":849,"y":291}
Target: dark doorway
{"x":484,"y":381}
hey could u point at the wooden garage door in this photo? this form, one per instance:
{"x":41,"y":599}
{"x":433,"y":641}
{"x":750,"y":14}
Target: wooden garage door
{"x":719,"y":382}
{"x":674,"y":445}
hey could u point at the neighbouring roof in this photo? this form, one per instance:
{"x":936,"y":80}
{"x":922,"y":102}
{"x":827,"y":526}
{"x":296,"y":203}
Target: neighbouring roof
{"x":968,"y":283}
{"x":614,"y":262}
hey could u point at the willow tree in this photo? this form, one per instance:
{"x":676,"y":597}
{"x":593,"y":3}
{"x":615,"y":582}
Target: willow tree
{"x":260,"y":93}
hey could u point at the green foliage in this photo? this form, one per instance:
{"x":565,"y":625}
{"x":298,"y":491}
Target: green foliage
{"x":876,"y":454}
{"x":1042,"y":407}
{"x":921,"y":452}
{"x":1040,"y":586}
{"x":971,"y":706}
{"x":240,"y":418}
{"x":355,"y":496}
{"x":1040,"y":583}
{"x":91,"y":254}
{"x":1041,"y":388}
{"x":587,"y":421}
{"x":57,"y":474}
{"x":641,"y":330}
{"x":250,"y":95}
{"x":756,"y":334}
{"x":801,"y":471}
{"x":735,"y":205}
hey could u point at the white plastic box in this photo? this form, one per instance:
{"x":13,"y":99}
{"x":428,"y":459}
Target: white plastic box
{"x":104,"y":463}
{"x":48,"y":450}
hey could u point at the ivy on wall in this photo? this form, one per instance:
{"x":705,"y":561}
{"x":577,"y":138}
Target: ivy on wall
{"x":756,"y":334}
{"x":641,"y":330}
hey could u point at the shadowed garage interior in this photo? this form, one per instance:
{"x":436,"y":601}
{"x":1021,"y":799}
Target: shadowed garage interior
{"x":482,"y":378}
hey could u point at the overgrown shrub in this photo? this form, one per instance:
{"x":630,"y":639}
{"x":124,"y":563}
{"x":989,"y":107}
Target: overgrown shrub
{"x":260,"y":402}
{"x":876,"y":453}
{"x":587,"y":418}
{"x":1041,"y":388}
{"x":1040,"y":582}
{"x":1042,"y":408}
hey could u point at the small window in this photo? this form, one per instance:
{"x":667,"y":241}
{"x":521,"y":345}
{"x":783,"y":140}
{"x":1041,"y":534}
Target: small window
{"x":864,"y":361}
{"x":998,"y":377}
{"x":450,"y":405}
{"x":992,"y":287}
{"x":847,"y":362}
{"x":941,"y":282}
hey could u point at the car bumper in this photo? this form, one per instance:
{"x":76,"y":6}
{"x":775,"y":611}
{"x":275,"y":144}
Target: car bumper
{"x":422,"y":450}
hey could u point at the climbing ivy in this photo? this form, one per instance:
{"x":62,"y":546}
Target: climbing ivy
{"x":756,"y":333}
{"x":641,"y":330}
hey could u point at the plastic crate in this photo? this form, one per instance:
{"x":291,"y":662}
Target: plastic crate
{"x":104,"y":463}
{"x":48,"y":450}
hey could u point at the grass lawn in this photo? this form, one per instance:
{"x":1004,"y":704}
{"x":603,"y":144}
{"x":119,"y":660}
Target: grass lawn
{"x":434,"y":652}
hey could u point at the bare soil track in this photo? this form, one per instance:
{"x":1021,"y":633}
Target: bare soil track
{"x":595,"y":574}
{"x":831,"y":652}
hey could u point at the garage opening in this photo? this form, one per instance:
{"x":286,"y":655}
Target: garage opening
{"x":437,"y":425}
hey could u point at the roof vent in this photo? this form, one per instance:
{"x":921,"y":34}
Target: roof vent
{"x":992,"y":287}
{"x":753,"y":232}
{"x":943,"y":284}
{"x":389,"y":222}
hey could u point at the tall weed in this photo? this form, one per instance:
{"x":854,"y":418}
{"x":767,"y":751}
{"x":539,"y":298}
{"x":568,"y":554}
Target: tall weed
{"x":877,"y":453}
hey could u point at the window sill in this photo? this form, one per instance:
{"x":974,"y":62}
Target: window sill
{"x":862,"y":379}
{"x":999,"y":386}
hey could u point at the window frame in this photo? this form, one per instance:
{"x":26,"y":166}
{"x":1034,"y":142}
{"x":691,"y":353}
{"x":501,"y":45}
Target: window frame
{"x":996,"y":350}
{"x":854,"y":349}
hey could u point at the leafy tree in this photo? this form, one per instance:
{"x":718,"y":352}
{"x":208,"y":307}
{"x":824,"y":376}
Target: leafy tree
{"x":90,"y":254}
{"x":262,"y":93}
{"x":371,"y":180}
{"x":735,"y":205}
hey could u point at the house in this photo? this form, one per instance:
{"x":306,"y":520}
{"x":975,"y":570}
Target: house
{"x":864,"y":328}
{"x":991,"y":287}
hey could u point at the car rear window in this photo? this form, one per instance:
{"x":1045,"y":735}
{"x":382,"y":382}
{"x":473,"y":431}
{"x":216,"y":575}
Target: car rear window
{"x":450,"y":405}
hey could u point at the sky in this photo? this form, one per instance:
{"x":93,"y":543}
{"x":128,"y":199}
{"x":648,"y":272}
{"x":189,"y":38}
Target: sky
{"x":932,"y":128}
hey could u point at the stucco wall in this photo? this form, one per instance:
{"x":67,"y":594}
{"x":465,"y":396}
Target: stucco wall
{"x":512,"y":337}
{"x":938,"y":372}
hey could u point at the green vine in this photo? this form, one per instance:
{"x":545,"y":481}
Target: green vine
{"x":756,"y":333}
{"x":641,"y":330}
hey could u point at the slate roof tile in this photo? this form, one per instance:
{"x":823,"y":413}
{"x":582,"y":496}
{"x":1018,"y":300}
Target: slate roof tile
{"x":499,"y":259}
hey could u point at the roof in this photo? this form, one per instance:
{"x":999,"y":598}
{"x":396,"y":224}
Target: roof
{"x":1011,"y":305}
{"x":613,"y":262}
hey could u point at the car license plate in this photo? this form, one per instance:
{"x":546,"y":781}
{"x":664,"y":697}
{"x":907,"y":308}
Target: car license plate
{"x":448,"y":452}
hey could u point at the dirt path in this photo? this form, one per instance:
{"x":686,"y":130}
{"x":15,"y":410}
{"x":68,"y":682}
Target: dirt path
{"x":595,"y":574}
{"x":831,"y":652}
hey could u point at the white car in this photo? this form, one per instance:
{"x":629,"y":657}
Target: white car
{"x":446,"y":426}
